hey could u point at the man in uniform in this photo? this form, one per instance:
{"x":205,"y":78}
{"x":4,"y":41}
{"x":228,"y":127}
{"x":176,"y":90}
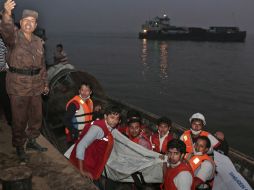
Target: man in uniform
{"x":26,"y":79}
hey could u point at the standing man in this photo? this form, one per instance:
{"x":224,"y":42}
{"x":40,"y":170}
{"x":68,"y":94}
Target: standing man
{"x":178,"y":174}
{"x":189,"y":137}
{"x":26,"y":79}
{"x":79,"y":112}
{"x":92,"y":150}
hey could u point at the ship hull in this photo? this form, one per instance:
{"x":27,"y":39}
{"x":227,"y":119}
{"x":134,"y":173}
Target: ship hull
{"x":200,"y":35}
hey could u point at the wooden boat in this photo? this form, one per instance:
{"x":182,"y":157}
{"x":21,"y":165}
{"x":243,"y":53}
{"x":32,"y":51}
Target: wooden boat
{"x":64,"y":83}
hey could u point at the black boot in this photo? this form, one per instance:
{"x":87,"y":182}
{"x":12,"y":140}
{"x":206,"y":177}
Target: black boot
{"x":21,"y":154}
{"x":33,"y":145}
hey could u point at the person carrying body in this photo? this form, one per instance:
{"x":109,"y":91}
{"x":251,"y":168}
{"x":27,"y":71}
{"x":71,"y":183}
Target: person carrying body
{"x":60,"y":57}
{"x":190,"y":136}
{"x":160,"y":139}
{"x":92,"y":150}
{"x":78,"y":113}
{"x":178,"y":174}
{"x":26,"y":78}
{"x":202,"y":165}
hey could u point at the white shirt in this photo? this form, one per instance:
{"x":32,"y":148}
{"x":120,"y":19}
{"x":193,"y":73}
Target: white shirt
{"x":162,"y":139}
{"x":205,"y":171}
{"x":95,"y":132}
{"x":183,"y":181}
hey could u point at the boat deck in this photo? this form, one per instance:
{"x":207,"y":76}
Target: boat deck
{"x":50,"y":170}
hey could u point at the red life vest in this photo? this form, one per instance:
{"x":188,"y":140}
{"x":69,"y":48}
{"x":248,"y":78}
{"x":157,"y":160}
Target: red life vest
{"x":187,"y":139}
{"x":171,"y":173}
{"x":156,"y":143}
{"x":82,"y":116}
{"x":97,"y":153}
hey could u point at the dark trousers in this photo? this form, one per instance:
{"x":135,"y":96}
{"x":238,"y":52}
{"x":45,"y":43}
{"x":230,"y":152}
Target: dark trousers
{"x":4,"y":98}
{"x":26,"y":118}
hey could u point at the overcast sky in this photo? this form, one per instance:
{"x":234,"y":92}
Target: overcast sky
{"x":68,"y":16}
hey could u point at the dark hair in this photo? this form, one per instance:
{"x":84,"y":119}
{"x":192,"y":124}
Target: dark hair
{"x":208,"y":142}
{"x":134,"y":120}
{"x":112,"y":109}
{"x":132,"y":114}
{"x":59,"y":46}
{"x":178,"y":144}
{"x":85,"y":84}
{"x":164,"y":120}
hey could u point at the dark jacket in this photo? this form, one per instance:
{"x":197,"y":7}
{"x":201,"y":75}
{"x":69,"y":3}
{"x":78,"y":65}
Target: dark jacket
{"x":23,"y":54}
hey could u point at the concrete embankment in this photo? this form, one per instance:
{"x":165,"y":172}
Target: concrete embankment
{"x":50,"y":170}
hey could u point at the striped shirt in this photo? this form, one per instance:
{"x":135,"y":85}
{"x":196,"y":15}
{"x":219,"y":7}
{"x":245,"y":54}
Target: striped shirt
{"x":3,"y":51}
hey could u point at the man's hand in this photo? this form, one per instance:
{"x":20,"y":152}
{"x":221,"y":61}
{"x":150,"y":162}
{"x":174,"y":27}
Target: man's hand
{"x":9,"y":5}
{"x":86,"y":174}
{"x":45,"y":90}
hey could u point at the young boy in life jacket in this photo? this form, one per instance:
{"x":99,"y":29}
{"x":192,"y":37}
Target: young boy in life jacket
{"x":202,"y":165}
{"x":160,"y":139}
{"x":178,"y":174}
{"x":78,"y":113}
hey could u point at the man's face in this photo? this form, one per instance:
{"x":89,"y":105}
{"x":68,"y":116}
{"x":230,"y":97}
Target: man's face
{"x":163,"y":128}
{"x":200,"y":146}
{"x":134,"y":129}
{"x":85,"y":91}
{"x":112,"y":119}
{"x":59,"y":49}
{"x":197,"y":125}
{"x":174,"y":156}
{"x":28,"y":24}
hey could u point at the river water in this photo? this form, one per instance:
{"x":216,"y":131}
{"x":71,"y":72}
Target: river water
{"x":173,"y":78}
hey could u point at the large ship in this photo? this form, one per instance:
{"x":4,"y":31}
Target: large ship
{"x":160,"y":29}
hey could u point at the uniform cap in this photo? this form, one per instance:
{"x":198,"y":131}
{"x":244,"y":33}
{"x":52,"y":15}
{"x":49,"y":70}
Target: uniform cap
{"x":198,"y":116}
{"x":29,"y":13}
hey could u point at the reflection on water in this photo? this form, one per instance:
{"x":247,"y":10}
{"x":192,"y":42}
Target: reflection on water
{"x":158,"y":49}
{"x":144,"y":54}
{"x":163,"y":60}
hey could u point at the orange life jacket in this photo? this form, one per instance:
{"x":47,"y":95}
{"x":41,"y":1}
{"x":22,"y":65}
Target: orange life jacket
{"x":97,"y":153}
{"x":187,"y":139}
{"x":196,"y":160}
{"x":82,"y":116}
{"x":171,"y":173}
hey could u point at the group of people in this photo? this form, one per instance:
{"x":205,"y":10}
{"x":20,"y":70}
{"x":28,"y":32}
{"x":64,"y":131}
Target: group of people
{"x":188,"y":160}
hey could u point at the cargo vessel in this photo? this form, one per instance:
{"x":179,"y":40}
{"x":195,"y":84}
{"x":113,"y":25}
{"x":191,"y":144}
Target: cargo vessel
{"x":160,"y":28}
